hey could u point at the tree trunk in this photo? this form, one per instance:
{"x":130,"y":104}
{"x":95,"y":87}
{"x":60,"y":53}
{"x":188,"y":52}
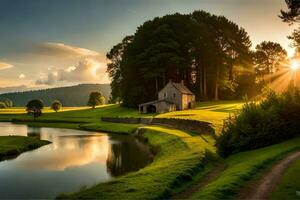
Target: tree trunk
{"x":199,"y":84}
{"x":217,"y":84}
{"x":204,"y":82}
{"x":156,"y":86}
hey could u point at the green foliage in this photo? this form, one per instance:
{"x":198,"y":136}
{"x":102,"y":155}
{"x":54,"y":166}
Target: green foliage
{"x":199,"y":48}
{"x":5,"y":103}
{"x":2,"y":105}
{"x":273,"y":120}
{"x":34,"y":107}
{"x":71,"y":96}
{"x":96,"y":99}
{"x":56,"y":105}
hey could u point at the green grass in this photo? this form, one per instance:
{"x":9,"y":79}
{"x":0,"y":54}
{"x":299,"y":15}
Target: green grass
{"x":289,"y":187}
{"x":179,"y":156}
{"x":214,"y":112}
{"x":14,"y":145}
{"x":242,"y":167}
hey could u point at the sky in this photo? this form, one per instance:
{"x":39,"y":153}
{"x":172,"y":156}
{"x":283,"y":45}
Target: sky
{"x":53,"y":43}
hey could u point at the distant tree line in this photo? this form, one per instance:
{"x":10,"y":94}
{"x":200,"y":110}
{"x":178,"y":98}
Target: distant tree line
{"x":210,"y":53}
{"x":34,"y":107}
{"x":69,"y":96}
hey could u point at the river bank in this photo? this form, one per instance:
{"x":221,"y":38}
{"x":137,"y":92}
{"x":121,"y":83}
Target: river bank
{"x":12,"y":146}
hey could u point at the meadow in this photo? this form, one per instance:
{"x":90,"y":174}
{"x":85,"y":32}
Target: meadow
{"x":181,"y":158}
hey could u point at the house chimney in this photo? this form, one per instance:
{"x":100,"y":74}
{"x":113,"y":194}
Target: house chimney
{"x":182,"y":82}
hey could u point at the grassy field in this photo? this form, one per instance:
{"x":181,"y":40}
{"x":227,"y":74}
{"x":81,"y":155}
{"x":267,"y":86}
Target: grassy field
{"x":22,"y":110}
{"x":14,"y":145}
{"x":289,"y":187}
{"x":242,"y":167}
{"x":214,"y":112}
{"x":180,"y":155}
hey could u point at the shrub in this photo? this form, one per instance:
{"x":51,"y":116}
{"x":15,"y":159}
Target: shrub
{"x":258,"y":125}
{"x":2,"y":105}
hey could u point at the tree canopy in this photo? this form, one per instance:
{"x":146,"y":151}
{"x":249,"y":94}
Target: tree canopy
{"x":96,"y":99}
{"x":269,"y":57}
{"x":199,"y":48}
{"x":34,"y":107}
{"x":293,"y":13}
{"x":56,"y":105}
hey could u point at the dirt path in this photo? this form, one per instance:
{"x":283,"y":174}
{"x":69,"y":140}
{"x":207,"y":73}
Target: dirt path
{"x":209,"y":177}
{"x":261,"y":188}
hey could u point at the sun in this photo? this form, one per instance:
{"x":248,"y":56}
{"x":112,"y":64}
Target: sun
{"x":295,"y":65}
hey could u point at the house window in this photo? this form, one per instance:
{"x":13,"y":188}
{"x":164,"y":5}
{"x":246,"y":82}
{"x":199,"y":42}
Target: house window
{"x":165,"y":95}
{"x":174,"y":95}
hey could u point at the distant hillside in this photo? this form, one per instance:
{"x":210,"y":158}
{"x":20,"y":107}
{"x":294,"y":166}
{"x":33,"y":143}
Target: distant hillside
{"x":69,"y":96}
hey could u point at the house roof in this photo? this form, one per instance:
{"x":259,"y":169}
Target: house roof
{"x":156,"y":101}
{"x":181,"y":88}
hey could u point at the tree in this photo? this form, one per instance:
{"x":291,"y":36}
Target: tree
{"x":269,"y":58}
{"x":199,"y":48}
{"x":295,"y":38}
{"x":34,"y":107}
{"x":56,"y":105}
{"x":96,"y":99}
{"x":293,"y":13}
{"x":114,"y":67}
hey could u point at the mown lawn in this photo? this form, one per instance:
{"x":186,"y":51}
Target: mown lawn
{"x":14,"y":145}
{"x":179,"y":157}
{"x":289,"y":187}
{"x":242,"y":167}
{"x":214,"y":112}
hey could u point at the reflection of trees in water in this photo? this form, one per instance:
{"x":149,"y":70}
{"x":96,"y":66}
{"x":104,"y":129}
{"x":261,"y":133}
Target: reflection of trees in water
{"x":34,"y":132}
{"x":126,"y":155}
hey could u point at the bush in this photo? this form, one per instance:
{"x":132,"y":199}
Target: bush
{"x":2,"y":105}
{"x":273,"y":120}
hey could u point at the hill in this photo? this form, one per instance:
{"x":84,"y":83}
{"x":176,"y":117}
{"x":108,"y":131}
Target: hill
{"x":69,"y":96}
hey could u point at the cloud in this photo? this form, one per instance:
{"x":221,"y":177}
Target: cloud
{"x":4,"y":65}
{"x":21,"y":76}
{"x":63,"y":50}
{"x":86,"y":71}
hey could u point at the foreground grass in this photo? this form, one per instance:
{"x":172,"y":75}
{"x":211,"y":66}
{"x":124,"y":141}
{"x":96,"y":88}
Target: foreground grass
{"x":179,"y":157}
{"x":242,"y":167}
{"x":289,"y":187}
{"x":14,"y":145}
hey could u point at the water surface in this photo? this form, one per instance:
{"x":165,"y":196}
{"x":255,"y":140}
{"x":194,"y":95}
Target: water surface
{"x":74,"y":159}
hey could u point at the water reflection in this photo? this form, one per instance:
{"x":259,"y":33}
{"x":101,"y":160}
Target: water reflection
{"x":74,"y":158}
{"x":120,"y":159}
